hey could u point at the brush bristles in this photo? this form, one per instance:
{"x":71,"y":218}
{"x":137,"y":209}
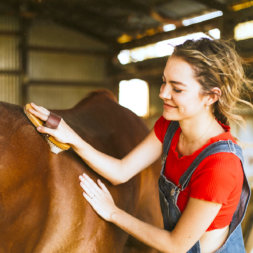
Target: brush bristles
{"x":56,"y":150}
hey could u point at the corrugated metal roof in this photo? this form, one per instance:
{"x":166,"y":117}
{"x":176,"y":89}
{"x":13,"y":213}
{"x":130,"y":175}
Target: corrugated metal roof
{"x":108,"y":20}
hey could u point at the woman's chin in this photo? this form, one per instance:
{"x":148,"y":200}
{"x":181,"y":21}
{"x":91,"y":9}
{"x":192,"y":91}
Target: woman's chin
{"x":170,"y":116}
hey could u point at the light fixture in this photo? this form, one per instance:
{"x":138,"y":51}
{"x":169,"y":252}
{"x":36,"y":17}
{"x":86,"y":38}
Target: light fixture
{"x":169,"y":27}
{"x":201,"y":18}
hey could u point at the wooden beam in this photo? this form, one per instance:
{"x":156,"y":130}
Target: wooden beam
{"x":10,"y":33}
{"x":85,"y":30}
{"x":132,"y":6}
{"x":62,"y":50}
{"x":24,"y":26}
{"x":214,"y":5}
{"x":200,"y":27}
{"x":10,"y":72}
{"x":93,"y":19}
{"x":47,"y":82}
{"x":54,"y":11}
{"x":244,"y":15}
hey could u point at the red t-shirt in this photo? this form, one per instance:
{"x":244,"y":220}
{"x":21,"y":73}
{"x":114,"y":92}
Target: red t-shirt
{"x":218,"y":178}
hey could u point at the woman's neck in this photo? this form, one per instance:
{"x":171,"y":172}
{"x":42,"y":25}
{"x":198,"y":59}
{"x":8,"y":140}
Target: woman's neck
{"x":196,"y":132}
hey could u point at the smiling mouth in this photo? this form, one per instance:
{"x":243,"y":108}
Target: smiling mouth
{"x":169,"y":106}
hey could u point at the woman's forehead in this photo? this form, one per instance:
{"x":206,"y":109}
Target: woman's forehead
{"x":178,"y":70}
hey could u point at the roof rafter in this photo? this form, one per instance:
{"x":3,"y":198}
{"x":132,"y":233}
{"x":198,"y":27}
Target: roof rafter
{"x":203,"y":26}
{"x":214,"y":5}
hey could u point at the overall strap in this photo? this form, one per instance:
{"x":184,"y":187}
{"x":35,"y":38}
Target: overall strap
{"x":172,"y":128}
{"x":217,"y":147}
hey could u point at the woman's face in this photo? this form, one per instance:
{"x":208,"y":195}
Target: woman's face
{"x":180,"y":91}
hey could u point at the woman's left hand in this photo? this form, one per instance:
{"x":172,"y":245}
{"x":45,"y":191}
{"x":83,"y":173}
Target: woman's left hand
{"x":98,"y":196}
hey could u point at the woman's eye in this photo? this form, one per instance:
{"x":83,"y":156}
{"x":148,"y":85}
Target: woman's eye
{"x":177,"y":91}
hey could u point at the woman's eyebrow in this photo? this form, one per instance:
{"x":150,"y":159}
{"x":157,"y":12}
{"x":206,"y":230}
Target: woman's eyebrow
{"x":174,"y":82}
{"x":177,"y":82}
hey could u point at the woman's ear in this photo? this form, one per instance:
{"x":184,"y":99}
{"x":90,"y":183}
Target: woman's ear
{"x":213,"y":96}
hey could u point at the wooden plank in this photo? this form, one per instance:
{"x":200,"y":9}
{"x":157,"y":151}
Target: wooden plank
{"x":66,"y":83}
{"x":10,"y":33}
{"x":69,"y":51}
{"x":10,"y":72}
{"x":200,"y":27}
{"x":214,"y":5}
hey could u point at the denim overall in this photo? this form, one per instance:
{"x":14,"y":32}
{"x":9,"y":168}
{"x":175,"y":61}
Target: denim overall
{"x":169,"y":192}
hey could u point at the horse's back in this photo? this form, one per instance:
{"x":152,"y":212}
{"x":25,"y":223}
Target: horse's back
{"x":41,"y":195}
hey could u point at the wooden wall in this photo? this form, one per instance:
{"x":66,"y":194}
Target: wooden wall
{"x":51,"y":65}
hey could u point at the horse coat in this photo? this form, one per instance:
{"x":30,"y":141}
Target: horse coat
{"x":42,"y":209}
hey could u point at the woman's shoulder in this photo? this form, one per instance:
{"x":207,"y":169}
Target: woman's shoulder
{"x":224,"y":158}
{"x":223,"y":168}
{"x":160,"y":127}
{"x":224,"y":163}
{"x":218,"y":175}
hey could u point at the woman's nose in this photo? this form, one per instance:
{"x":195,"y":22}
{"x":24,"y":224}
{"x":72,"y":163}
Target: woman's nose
{"x":165,"y":91}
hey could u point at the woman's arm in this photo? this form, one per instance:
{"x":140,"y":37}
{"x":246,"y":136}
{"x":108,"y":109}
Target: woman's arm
{"x":196,"y":218}
{"x":115,"y":170}
{"x":193,"y":223}
{"x":118,"y":171}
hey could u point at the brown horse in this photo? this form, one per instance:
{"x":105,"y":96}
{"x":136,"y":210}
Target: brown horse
{"x":41,"y":205}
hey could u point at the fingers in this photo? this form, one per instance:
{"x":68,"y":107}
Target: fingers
{"x":46,"y":130}
{"x":92,"y":201}
{"x":88,"y":190}
{"x":103,"y":187}
{"x":87,"y":197}
{"x":42,"y":113}
{"x":38,"y":114}
{"x":39,"y":111}
{"x":98,"y":197}
{"x":89,"y":186}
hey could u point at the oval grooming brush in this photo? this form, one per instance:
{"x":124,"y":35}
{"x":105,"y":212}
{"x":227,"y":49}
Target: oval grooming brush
{"x":55,"y":146}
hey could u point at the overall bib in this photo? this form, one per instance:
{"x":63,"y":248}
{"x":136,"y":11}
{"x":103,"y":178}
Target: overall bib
{"x":169,"y":192}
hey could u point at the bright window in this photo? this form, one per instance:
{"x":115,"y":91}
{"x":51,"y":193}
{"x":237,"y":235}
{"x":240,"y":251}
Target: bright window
{"x":134,"y":95}
{"x":244,"y":30}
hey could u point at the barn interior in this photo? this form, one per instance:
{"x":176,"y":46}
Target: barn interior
{"x":55,"y":52}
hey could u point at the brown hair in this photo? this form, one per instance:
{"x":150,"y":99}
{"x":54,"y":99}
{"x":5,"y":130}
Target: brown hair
{"x":217,"y":64}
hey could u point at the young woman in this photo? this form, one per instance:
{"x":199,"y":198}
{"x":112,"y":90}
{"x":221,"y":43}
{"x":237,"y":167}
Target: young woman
{"x":203,"y":189}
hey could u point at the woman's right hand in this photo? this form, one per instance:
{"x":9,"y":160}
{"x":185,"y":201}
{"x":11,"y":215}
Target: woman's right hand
{"x":63,"y":133}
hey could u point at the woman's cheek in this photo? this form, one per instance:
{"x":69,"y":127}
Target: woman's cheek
{"x":181,"y":109}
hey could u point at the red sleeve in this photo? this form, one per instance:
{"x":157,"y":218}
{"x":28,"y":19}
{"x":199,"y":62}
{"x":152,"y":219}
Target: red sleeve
{"x":160,"y":128}
{"x":218,"y":178}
